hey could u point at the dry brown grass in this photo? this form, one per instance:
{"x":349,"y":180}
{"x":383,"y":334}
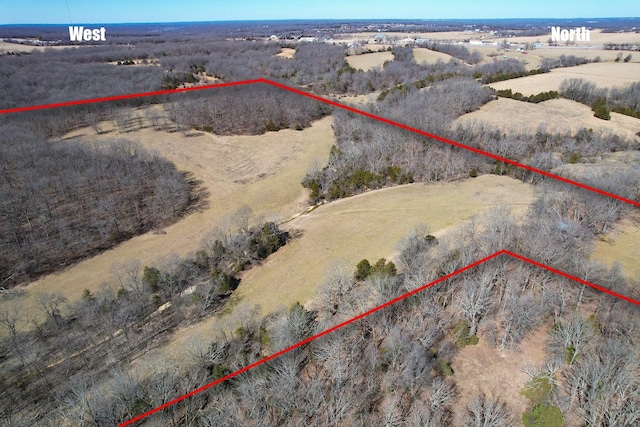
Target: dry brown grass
{"x":15,"y":47}
{"x":263,"y":172}
{"x":480,"y":368}
{"x":286,"y":52}
{"x":424,"y":55}
{"x":368,"y":61}
{"x":622,"y":245}
{"x":555,"y":115}
{"x":602,"y":74}
{"x":365,"y":226}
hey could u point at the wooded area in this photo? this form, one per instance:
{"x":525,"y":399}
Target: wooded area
{"x":83,"y":362}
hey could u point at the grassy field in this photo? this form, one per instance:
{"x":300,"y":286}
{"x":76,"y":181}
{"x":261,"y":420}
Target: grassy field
{"x":286,"y":52}
{"x":603,"y":74}
{"x":263,"y":172}
{"x":369,"y":226}
{"x":623,"y":246}
{"x":424,"y":55}
{"x":555,"y":115}
{"x":15,"y":47}
{"x":368,"y":61}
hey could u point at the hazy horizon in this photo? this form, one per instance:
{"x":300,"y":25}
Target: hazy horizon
{"x":76,"y":12}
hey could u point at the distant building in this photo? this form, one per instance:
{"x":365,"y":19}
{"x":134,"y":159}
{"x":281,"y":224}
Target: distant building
{"x":423,"y":41}
{"x":408,"y":40}
{"x":307,"y":39}
{"x":475,"y":42}
{"x":274,"y":38}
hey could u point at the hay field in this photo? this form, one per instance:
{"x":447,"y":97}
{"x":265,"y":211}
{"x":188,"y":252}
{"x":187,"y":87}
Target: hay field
{"x":555,"y":115}
{"x":263,"y":172}
{"x":603,"y":74}
{"x":424,"y":55}
{"x":368,"y":225}
{"x":15,"y":47}
{"x":367,"y":61}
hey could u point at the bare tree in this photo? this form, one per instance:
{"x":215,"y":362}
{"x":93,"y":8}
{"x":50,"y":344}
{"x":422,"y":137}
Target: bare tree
{"x":487,"y":411}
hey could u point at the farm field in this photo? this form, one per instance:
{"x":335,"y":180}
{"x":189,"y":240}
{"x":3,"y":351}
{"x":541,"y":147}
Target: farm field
{"x":424,"y":55}
{"x":368,"y":61}
{"x":15,"y":47}
{"x":263,"y":172}
{"x":343,"y":231}
{"x":602,"y":74}
{"x":554,"y":115}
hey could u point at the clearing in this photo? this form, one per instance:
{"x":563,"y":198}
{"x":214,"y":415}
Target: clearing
{"x":263,"y":172}
{"x":424,"y":55}
{"x":602,"y":74}
{"x":498,"y":372}
{"x":554,"y":115}
{"x":622,"y":245}
{"x":368,"y":225}
{"x":367,"y":61}
{"x":286,"y":52}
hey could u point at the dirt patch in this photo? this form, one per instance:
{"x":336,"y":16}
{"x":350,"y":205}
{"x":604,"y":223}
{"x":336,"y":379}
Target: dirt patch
{"x":497,"y":372}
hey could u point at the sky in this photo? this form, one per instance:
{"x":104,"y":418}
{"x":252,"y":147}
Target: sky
{"x":126,"y":11}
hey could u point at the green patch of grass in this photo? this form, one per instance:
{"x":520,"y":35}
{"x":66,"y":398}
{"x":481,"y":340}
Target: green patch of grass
{"x":538,"y":390}
{"x":461,"y":335}
{"x":543,"y":416}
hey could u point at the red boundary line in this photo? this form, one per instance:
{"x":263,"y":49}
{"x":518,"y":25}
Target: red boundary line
{"x":335,"y":104}
{"x":388,"y":303}
{"x":373,"y":310}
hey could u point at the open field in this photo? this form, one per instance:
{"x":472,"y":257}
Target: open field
{"x":368,"y":61}
{"x":263,"y":172}
{"x":554,"y":115}
{"x":286,"y":52}
{"x":603,"y":74}
{"x":15,"y":47}
{"x":622,"y":245}
{"x":424,"y":55}
{"x":368,"y":225}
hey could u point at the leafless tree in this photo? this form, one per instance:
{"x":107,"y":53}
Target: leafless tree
{"x":487,"y":411}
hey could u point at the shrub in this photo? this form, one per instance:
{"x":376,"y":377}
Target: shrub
{"x":600,"y":109}
{"x":461,"y":335}
{"x":151,"y":278}
{"x":363,"y":269}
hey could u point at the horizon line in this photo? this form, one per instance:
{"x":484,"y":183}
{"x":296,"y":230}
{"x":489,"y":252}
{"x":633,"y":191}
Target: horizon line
{"x":326,"y":19}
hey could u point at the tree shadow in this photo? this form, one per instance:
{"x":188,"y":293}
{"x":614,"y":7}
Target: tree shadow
{"x":198,"y":194}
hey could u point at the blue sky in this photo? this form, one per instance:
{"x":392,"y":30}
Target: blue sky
{"x":118,"y":11}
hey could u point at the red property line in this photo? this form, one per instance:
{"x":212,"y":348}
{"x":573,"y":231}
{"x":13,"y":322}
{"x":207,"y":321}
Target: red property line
{"x":335,"y":104}
{"x":373,"y":310}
